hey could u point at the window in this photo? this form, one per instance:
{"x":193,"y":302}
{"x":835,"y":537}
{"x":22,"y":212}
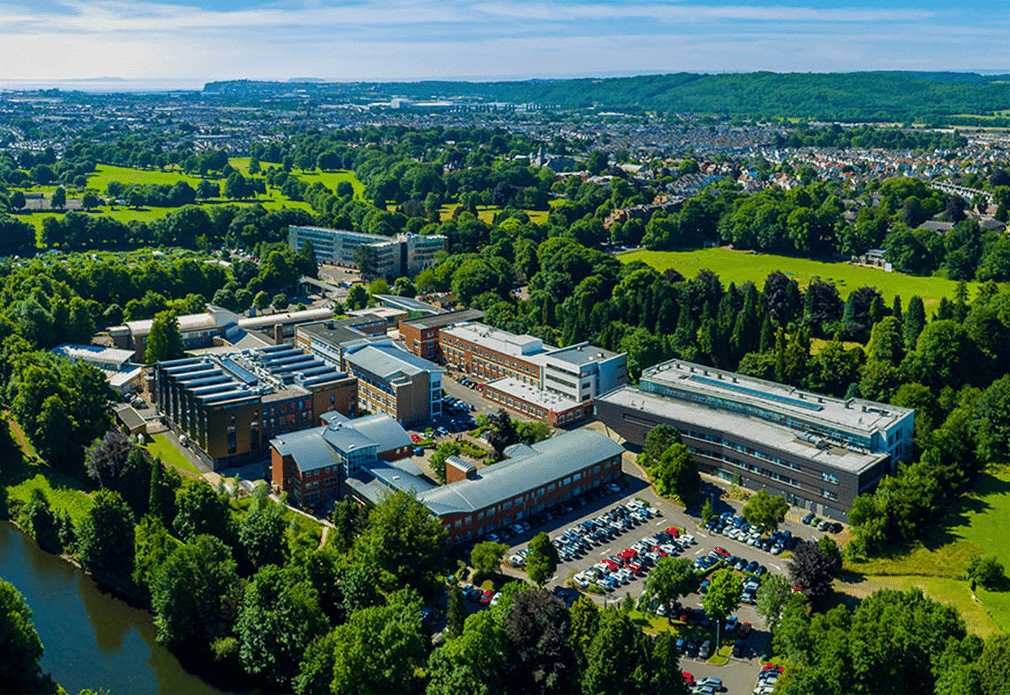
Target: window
{"x":232,"y":439}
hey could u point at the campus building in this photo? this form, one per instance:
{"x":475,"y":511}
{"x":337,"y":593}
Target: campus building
{"x":393,"y":381}
{"x":404,"y":254}
{"x":556,"y":385}
{"x":120,"y":371}
{"x":818,"y":452}
{"x":529,"y":480}
{"x":362,"y":458}
{"x":421,"y":335}
{"x":230,"y":405}
{"x":390,"y":380}
{"x":216,"y":327}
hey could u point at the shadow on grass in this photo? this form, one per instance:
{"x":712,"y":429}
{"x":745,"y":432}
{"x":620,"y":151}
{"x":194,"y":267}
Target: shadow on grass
{"x":973,"y":503}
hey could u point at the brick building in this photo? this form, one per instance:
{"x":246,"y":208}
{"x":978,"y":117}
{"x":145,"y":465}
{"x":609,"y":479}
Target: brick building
{"x":421,"y":335}
{"x":529,"y":480}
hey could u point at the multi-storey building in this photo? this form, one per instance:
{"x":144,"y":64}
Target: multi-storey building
{"x":817,"y":451}
{"x":421,"y":335}
{"x":529,"y":480}
{"x":325,"y":339}
{"x":404,"y":254}
{"x":361,"y":457}
{"x":393,"y":381}
{"x":230,"y":405}
{"x":556,"y":385}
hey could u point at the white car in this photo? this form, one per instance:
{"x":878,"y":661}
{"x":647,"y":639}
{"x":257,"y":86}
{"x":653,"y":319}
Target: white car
{"x":688,"y":538}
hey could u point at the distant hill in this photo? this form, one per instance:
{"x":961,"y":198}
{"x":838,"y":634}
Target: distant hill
{"x":858,"y":96}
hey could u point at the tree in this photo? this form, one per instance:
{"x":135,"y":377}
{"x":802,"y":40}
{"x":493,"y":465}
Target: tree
{"x":41,"y":523}
{"x":676,"y":473}
{"x":441,"y":453}
{"x":202,"y":511}
{"x":597,"y":163}
{"x":164,"y":342}
{"x":193,"y":595}
{"x":455,"y":611}
{"x":261,"y":536}
{"x":161,"y":497}
{"x":357,"y":298}
{"x":772,"y":595}
{"x":584,"y":617}
{"x":19,"y":644}
{"x":90,"y":201}
{"x":621,"y":659}
{"x":986,"y":570}
{"x":279,"y":302}
{"x":765,"y":511}
{"x":671,"y":579}
{"x":349,"y":520}
{"x":262,"y":300}
{"x":403,"y":541}
{"x":152,"y":546}
{"x":832,"y":551}
{"x":105,"y":535}
{"x":659,"y":439}
{"x":59,"y":198}
{"x":994,"y":664}
{"x":722,"y":598}
{"x":706,"y":511}
{"x":542,"y":559}
{"x":278,"y":618}
{"x":486,"y":558}
{"x":17,"y":200}
{"x":536,"y":630}
{"x":812,"y":570}
{"x":403,"y":287}
{"x":367,"y":260}
{"x":502,"y":433}
{"x":376,"y":651}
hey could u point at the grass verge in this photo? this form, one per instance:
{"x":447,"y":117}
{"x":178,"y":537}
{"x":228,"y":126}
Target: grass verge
{"x":163,"y":449}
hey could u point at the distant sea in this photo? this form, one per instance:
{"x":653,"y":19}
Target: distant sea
{"x":105,"y":84}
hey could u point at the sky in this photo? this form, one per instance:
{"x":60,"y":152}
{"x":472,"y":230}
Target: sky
{"x":152,"y":44}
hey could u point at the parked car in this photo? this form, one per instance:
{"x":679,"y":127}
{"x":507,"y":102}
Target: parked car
{"x":705,"y":650}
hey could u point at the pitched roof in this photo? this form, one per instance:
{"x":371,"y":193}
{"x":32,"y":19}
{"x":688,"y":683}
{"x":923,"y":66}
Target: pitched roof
{"x":527,"y":468}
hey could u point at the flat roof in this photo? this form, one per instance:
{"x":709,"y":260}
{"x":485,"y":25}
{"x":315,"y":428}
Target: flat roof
{"x":448,"y":318}
{"x":751,"y":428}
{"x":544,"y":462}
{"x":854,"y":415}
{"x":285,"y":318}
{"x":524,"y":346}
{"x":94,"y":353}
{"x":531,"y":394}
{"x":580,"y":354}
{"x":408,"y":304}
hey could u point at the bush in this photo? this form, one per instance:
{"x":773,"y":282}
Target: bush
{"x":985,"y":570}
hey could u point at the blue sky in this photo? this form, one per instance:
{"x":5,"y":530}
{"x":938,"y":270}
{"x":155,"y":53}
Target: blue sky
{"x":187,"y":42}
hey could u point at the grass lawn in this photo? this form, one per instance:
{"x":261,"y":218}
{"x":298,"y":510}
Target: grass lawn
{"x":163,"y":449}
{"x":21,"y":478}
{"x":487,"y":213}
{"x":274,"y":200}
{"x":740,"y":266}
{"x":975,"y":526}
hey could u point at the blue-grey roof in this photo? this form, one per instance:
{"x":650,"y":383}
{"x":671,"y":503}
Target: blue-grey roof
{"x":408,"y":304}
{"x":308,"y":449}
{"x":384,"y":431}
{"x":386,"y":361}
{"x":318,"y":447}
{"x":541,"y":463}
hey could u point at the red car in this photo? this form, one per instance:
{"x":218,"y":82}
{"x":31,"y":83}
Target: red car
{"x":486,"y":598}
{"x":688,"y":678}
{"x":673,"y":531}
{"x":722,"y":552}
{"x":744,"y":630}
{"x":771,"y":667}
{"x":415,"y":438}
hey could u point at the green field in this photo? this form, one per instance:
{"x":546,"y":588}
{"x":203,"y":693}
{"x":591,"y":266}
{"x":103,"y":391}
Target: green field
{"x":740,"y":266}
{"x":163,"y":449}
{"x":106,"y":173}
{"x":975,"y":526}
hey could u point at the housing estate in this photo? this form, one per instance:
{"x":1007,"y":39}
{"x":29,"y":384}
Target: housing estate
{"x":818,"y":452}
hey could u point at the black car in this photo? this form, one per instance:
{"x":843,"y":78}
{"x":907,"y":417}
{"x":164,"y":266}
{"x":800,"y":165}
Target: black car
{"x":692,"y":647}
{"x":808,"y":518}
{"x":738,"y":647}
{"x":681,"y":644}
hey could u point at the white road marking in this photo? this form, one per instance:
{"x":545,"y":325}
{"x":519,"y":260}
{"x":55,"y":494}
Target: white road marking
{"x":605,"y":552}
{"x":775,"y":566}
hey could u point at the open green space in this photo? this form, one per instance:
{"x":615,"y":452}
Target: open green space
{"x":740,"y":267}
{"x":163,"y":449}
{"x":486,"y":213}
{"x":976,"y":525}
{"x":21,"y":478}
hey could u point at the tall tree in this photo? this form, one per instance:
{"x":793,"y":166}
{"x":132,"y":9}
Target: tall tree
{"x":765,"y":511}
{"x":105,"y":535}
{"x":671,"y":579}
{"x":19,"y":643}
{"x":722,"y":598}
{"x":812,"y":570}
{"x":542,"y":559}
{"x":164,"y":342}
{"x":536,"y":630}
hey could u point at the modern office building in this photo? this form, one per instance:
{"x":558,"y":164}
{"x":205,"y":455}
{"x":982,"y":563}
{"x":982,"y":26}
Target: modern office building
{"x":230,"y":405}
{"x":421,"y":335}
{"x":364,"y":458}
{"x":325,"y":339}
{"x":529,"y":480}
{"x":394,"y":381}
{"x":404,"y":254}
{"x":817,"y":451}
{"x":557,"y":385}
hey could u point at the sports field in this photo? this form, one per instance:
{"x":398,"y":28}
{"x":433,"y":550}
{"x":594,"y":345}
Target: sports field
{"x":741,"y":266}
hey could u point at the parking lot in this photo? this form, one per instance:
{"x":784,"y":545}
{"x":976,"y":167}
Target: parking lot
{"x":740,"y":674}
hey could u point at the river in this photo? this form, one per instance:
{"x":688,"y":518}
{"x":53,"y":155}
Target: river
{"x":91,"y":639}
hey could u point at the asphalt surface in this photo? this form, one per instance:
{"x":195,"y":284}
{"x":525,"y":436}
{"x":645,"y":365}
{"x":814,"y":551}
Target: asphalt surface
{"x":739,"y":674}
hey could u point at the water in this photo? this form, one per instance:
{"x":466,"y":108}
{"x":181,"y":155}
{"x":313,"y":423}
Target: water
{"x":91,"y":639}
